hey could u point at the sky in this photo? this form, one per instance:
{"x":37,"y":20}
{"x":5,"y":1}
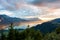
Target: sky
{"x":42,"y":9}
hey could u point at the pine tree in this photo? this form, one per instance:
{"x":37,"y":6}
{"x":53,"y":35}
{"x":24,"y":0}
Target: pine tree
{"x":28,"y":26}
{"x":52,"y":36}
{"x":11,"y":35}
{"x":3,"y":37}
{"x":17,"y":35}
{"x":58,"y":30}
{"x":38,"y":35}
{"x":29,"y":38}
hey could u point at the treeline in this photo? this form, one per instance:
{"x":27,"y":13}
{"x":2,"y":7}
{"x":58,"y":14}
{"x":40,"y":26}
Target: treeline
{"x":29,"y":34}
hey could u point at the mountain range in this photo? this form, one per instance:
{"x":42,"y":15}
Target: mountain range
{"x":7,"y":20}
{"x":4,"y":19}
{"x":49,"y":26}
{"x":44,"y":27}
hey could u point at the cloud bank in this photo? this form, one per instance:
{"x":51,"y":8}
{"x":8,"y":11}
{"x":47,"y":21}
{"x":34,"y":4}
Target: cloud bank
{"x":31,"y":8}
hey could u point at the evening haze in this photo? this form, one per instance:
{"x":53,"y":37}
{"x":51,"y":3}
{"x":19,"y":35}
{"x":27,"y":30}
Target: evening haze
{"x":33,"y":11}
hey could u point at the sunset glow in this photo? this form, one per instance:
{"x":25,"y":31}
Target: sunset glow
{"x":45,"y":10}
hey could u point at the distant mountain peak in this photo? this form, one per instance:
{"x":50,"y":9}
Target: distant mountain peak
{"x":4,"y":19}
{"x":48,"y":26}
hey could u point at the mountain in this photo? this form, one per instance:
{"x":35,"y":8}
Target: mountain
{"x":49,"y":26}
{"x":4,"y":20}
{"x":56,"y":20}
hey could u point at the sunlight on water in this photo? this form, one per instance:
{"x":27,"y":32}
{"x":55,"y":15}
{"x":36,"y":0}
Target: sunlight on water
{"x":20,"y":27}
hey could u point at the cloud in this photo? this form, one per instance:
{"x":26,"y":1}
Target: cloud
{"x":51,"y":15}
{"x":16,"y":4}
{"x":2,"y":12}
{"x":30,"y":8}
